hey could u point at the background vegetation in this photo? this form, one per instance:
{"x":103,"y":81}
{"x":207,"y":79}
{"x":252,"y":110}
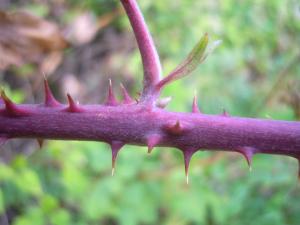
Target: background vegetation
{"x":254,"y":73}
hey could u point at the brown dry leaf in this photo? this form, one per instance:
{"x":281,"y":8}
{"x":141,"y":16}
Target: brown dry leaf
{"x":85,"y":27}
{"x":25,"y":38}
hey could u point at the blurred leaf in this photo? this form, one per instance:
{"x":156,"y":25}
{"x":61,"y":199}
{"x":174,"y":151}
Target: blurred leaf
{"x":60,"y":217}
{"x":25,"y":38}
{"x":33,"y":216}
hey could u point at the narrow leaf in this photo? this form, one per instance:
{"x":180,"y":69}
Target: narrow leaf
{"x":195,"y":57}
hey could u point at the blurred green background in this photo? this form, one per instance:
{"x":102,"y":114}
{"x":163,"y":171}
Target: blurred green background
{"x":254,"y":73}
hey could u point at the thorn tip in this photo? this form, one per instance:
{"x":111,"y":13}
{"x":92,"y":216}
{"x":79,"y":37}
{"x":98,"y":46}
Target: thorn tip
{"x":126,"y":97}
{"x":40,"y":142}
{"x":111,"y":99}
{"x":248,"y":153}
{"x":195,"y":108}
{"x":73,"y":106}
{"x":112,"y":171}
{"x":50,"y":101}
{"x":152,"y":141}
{"x":11,"y":108}
{"x":175,"y":129}
{"x":115,"y":148}
{"x":187,"y":155}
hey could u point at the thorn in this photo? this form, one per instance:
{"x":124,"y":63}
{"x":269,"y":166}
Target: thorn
{"x":126,"y":97}
{"x":111,"y":99}
{"x":162,"y":103}
{"x":152,"y":141}
{"x":248,"y":153}
{"x":40,"y":142}
{"x":225,"y":113}
{"x":175,"y":129}
{"x":187,"y":155}
{"x":115,"y":148}
{"x":11,"y":107}
{"x":3,"y":140}
{"x":73,"y":106}
{"x":195,"y":108}
{"x":50,"y":101}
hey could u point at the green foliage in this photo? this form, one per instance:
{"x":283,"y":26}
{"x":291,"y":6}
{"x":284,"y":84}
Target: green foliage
{"x":69,"y":183}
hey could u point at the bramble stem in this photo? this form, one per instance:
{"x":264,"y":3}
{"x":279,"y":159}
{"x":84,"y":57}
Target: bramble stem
{"x":145,"y":124}
{"x":132,"y":124}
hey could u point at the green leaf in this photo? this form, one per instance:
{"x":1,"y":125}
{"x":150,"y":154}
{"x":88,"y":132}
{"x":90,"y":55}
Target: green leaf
{"x":196,"y":57}
{"x":60,"y":217}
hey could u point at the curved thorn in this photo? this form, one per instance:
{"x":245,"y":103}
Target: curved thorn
{"x":111,"y":99}
{"x":40,"y":142}
{"x":152,"y":141}
{"x":50,"y":101}
{"x":187,"y":155}
{"x":10,"y":107}
{"x":175,"y":129}
{"x":195,"y":108}
{"x":126,"y":97}
{"x":115,"y":148}
{"x":248,"y":153}
{"x":73,"y":106}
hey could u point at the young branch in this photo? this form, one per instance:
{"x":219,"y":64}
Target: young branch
{"x":150,"y":58}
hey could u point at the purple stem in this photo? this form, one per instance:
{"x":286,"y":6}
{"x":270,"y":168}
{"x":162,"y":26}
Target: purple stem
{"x":150,"y":58}
{"x":132,"y":124}
{"x":145,"y":124}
